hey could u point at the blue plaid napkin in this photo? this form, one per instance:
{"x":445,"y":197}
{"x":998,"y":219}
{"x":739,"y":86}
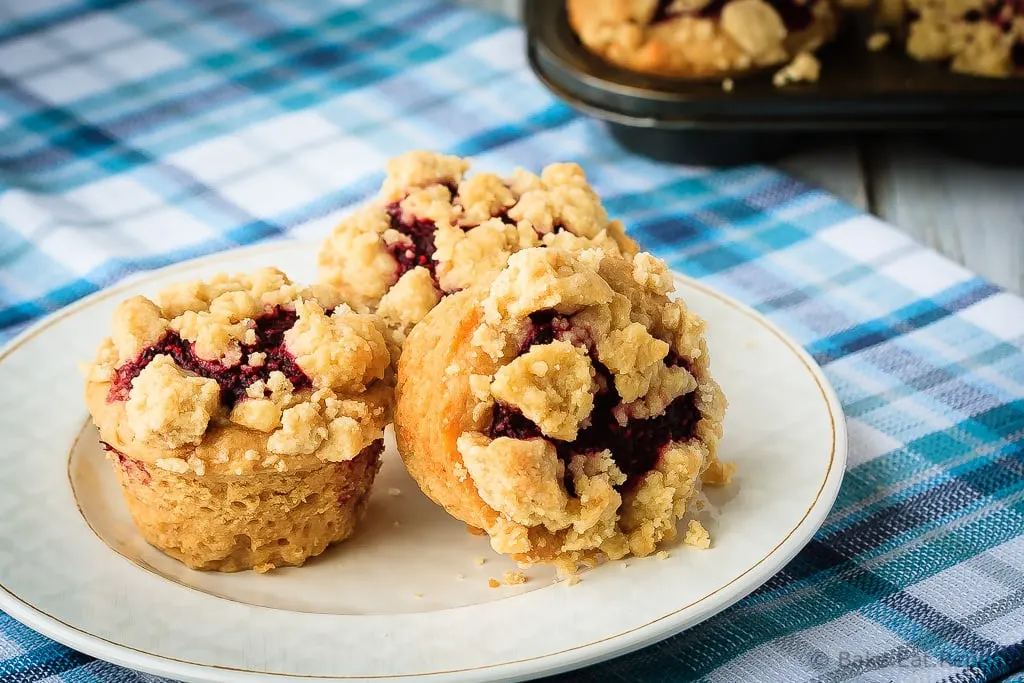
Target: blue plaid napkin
{"x":138,"y":133}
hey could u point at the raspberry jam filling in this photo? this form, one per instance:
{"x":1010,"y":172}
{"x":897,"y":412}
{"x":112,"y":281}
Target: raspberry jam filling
{"x":421,"y":236}
{"x":420,"y":248}
{"x":133,"y":469}
{"x":233,"y":380}
{"x":635,"y":446}
{"x":796,"y":15}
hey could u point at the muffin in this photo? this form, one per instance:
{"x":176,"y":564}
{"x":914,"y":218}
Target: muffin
{"x":432,"y":231}
{"x":566,"y":408}
{"x":698,"y":39}
{"x":243,"y":416}
{"x":975,"y":37}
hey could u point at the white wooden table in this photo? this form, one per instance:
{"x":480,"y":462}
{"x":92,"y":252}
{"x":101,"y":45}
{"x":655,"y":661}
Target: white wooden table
{"x":971,"y":212}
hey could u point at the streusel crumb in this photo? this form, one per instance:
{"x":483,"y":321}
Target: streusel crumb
{"x":878,"y":41}
{"x":805,"y":68}
{"x":168,"y":408}
{"x":697,"y":38}
{"x":248,"y":371}
{"x":976,"y":37}
{"x":697,"y":535}
{"x":433,"y":230}
{"x":513,"y":578}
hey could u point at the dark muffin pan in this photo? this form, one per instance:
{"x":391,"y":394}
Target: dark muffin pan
{"x":697,"y":122}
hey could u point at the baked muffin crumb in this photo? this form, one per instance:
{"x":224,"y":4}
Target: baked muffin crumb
{"x":236,"y":403}
{"x":805,"y":68}
{"x":697,"y":535}
{"x":433,"y":230}
{"x":878,"y":41}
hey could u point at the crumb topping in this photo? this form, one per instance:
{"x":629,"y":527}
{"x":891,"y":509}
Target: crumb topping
{"x":976,"y":37}
{"x":406,"y":303}
{"x":343,"y":351}
{"x":294,"y":370}
{"x":701,"y":37}
{"x":169,"y":408}
{"x":520,"y":480}
{"x":697,"y":535}
{"x":459,"y":230}
{"x":756,"y":27}
{"x":594,"y":432}
{"x":805,"y":68}
{"x":878,"y":41}
{"x":553,"y":385}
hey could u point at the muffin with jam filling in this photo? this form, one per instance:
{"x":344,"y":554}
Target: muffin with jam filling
{"x":702,"y":38}
{"x":243,"y":417}
{"x":974,"y":37}
{"x":433,"y":230}
{"x":566,"y":408}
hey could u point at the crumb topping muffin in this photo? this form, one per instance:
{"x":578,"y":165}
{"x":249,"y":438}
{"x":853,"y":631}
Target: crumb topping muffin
{"x":701,"y":38}
{"x":434,"y":230}
{"x":566,"y":408}
{"x":976,"y":37}
{"x":244,"y":416}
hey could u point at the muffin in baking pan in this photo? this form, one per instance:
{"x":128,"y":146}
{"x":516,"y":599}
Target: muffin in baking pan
{"x":243,"y":416}
{"x":702,"y":38}
{"x":566,"y":408}
{"x":974,"y":37}
{"x":433,"y":230}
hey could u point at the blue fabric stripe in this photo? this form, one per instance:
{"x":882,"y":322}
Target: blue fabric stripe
{"x":918,"y":376}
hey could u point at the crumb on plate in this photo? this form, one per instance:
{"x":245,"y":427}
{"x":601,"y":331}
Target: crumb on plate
{"x":697,"y":535}
{"x":513,"y":578}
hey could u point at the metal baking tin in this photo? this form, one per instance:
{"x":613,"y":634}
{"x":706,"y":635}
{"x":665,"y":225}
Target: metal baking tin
{"x":858,"y":91}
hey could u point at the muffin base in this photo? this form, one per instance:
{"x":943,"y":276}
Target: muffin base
{"x":257,"y":521}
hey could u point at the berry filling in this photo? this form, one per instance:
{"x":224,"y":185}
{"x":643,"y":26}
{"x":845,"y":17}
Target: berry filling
{"x":419,"y":251}
{"x":1017,"y":55}
{"x":635,"y":446}
{"x":420,"y":247}
{"x":796,"y":15}
{"x":233,"y":380}
{"x":133,"y":469}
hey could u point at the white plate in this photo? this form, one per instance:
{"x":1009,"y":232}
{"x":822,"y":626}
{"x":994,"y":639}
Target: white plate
{"x":388,"y":604}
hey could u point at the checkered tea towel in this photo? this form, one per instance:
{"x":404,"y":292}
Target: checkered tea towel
{"x":136,"y":133}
